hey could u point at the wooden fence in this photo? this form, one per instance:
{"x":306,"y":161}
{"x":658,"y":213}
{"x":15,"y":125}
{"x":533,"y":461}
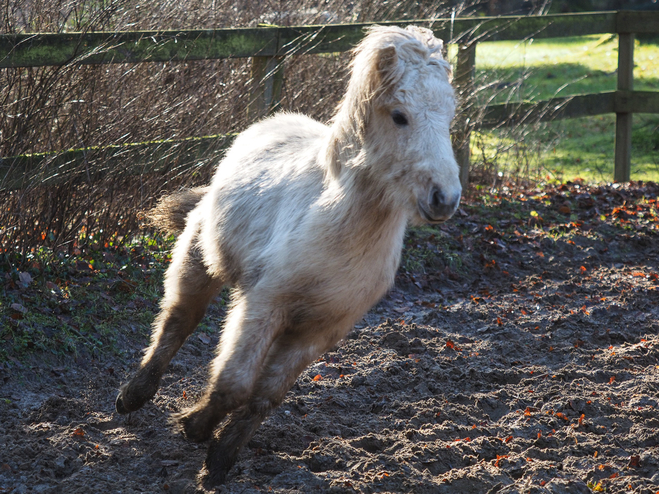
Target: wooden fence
{"x":267,"y":46}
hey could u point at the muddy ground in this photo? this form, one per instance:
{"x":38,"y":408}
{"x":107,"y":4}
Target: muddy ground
{"x":518,"y":352}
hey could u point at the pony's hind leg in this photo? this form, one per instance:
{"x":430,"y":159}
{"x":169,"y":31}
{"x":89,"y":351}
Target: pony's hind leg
{"x":250,"y":328}
{"x":287,"y":358}
{"x":188,"y":291}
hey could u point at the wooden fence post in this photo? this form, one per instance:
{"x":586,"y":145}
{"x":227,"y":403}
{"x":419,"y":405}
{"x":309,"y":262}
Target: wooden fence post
{"x":265,"y":93}
{"x":623,"y":141}
{"x":465,"y":71}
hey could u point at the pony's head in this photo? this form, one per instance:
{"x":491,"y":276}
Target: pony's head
{"x":394,"y":122}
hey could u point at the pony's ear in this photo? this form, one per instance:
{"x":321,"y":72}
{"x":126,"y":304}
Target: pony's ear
{"x":447,"y":67}
{"x":389,"y":67}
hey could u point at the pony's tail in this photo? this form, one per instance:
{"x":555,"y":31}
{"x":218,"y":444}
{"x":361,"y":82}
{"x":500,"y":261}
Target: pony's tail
{"x":171,"y":212}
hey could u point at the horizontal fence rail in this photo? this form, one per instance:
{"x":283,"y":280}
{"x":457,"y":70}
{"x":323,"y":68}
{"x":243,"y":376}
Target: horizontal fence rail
{"x":265,"y":45}
{"x":586,"y":105}
{"x":33,"y":50}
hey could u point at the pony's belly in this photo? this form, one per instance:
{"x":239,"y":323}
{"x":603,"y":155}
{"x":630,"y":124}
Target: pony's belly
{"x":343,"y":300}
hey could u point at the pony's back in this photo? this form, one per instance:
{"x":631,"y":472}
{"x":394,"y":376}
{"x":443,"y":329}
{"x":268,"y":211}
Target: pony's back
{"x":261,"y":193}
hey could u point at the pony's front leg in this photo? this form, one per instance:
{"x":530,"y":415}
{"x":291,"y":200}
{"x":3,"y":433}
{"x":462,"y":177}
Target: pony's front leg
{"x":188,"y":291}
{"x":288,"y":357}
{"x":249,"y":331}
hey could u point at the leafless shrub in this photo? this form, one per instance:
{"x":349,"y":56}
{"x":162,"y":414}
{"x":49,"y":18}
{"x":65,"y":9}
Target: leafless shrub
{"x":67,"y":204}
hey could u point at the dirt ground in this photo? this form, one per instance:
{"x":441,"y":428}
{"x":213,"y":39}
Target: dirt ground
{"x":518,"y":352}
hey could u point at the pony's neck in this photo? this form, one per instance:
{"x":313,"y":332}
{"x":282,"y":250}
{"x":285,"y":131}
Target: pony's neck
{"x":363,"y":211}
{"x":346,"y":137}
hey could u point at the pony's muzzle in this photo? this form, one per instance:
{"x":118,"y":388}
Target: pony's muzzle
{"x":439,"y":205}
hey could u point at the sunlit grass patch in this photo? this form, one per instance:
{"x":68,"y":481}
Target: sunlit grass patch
{"x":534,"y":70}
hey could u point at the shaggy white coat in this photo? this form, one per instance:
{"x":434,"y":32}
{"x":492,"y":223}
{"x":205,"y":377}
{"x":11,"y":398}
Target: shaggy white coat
{"x":306,"y":222}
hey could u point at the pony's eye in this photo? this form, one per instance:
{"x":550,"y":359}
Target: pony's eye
{"x":399,"y":118}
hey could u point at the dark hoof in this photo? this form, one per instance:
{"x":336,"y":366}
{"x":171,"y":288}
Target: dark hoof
{"x":119,"y":404}
{"x":212,"y":480}
{"x":129,"y":401}
{"x":217,"y":465}
{"x":197,"y":425}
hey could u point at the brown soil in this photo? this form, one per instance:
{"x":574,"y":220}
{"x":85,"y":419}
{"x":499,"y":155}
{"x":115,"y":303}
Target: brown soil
{"x":518,"y":352}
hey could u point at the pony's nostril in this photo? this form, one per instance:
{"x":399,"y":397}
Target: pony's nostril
{"x":439,"y":205}
{"x":437,"y":199}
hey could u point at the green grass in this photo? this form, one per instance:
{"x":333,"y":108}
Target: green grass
{"x":564,"y":149}
{"x":94,"y":304}
{"x":81,"y":304}
{"x":427,"y":251}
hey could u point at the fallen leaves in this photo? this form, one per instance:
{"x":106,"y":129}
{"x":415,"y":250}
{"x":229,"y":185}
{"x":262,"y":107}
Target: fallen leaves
{"x":452,"y":346}
{"x":535,"y":298}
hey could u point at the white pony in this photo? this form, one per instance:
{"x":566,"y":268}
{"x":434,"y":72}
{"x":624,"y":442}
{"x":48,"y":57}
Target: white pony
{"x":306,"y":222}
